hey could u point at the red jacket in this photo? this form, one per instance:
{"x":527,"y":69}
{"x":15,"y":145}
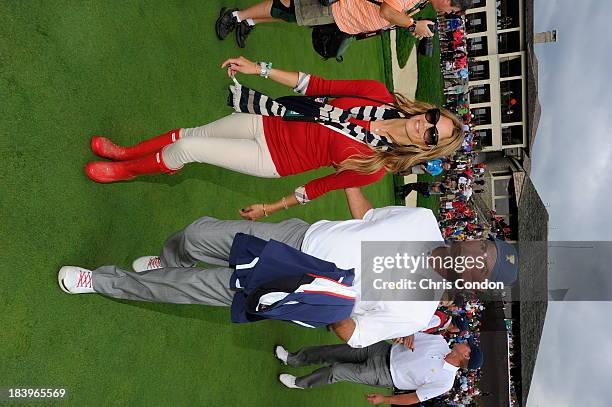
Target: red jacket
{"x":298,"y":147}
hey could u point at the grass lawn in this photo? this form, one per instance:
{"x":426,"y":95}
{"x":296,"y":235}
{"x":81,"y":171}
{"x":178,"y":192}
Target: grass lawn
{"x":433,"y":202}
{"x":431,"y":83}
{"x":131,"y":70}
{"x":385,"y":37}
{"x":405,"y":42}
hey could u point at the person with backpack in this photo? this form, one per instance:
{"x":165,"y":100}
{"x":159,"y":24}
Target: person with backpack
{"x":350,"y":16}
{"x":363,"y":133}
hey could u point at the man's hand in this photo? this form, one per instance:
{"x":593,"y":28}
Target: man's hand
{"x":446,"y":303}
{"x":407,"y":341}
{"x":401,"y":399}
{"x":394,"y":17}
{"x":344,"y":329}
{"x":422,"y":29}
{"x":375,"y":398}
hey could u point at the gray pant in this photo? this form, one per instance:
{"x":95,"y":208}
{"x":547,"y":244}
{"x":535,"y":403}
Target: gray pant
{"x":369,"y":365}
{"x":180,"y":282}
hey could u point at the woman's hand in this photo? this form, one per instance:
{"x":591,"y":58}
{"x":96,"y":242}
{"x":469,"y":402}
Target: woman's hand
{"x":253,"y":212}
{"x":242,"y":65}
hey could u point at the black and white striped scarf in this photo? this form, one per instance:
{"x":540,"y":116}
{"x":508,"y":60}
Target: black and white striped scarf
{"x":245,"y":100}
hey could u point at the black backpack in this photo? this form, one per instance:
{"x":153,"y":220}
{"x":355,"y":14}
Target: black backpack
{"x":329,"y":42}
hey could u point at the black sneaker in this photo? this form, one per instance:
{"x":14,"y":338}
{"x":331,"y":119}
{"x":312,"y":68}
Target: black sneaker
{"x":242,"y":32}
{"x":226,"y":23}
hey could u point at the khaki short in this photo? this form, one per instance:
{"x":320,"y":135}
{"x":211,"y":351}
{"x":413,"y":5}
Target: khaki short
{"x":311,"y":13}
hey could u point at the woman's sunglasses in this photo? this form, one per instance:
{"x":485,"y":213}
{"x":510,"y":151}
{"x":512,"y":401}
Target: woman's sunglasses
{"x":431,"y":134}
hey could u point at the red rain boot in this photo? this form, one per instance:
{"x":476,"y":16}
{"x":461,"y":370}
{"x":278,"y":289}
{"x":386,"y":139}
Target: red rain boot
{"x":105,"y":172}
{"x":103,"y":147}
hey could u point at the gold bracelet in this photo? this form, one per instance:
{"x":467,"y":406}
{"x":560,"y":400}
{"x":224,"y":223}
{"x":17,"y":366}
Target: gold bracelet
{"x":285,"y":203}
{"x":263,"y":206}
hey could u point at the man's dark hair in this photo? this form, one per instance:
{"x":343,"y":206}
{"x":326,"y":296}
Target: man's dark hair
{"x":462,"y":4}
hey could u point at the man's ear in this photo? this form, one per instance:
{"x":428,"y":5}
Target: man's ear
{"x":465,"y":357}
{"x":463,"y":352}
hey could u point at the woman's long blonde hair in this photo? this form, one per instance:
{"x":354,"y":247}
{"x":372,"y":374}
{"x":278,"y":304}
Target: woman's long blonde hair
{"x":402,"y":158}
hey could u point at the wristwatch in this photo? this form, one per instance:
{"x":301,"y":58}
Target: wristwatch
{"x":413,"y":26}
{"x":264,"y":69}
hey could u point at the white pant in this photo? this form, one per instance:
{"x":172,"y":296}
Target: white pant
{"x":235,"y":142}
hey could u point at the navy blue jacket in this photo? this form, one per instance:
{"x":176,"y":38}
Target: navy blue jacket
{"x":318,"y":293}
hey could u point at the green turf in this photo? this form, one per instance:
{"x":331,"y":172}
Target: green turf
{"x":385,"y":38}
{"x":430,"y":87}
{"x":433,"y":202}
{"x":405,"y":41}
{"x":404,"y":45}
{"x":70,"y":69}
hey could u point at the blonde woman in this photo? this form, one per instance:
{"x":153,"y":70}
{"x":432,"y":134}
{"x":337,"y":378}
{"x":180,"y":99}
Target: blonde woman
{"x":363,"y":133}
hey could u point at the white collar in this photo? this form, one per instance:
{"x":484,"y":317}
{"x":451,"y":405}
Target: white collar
{"x":449,"y":367}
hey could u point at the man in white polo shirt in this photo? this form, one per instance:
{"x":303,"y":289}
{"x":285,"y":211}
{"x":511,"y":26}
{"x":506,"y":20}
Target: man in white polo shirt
{"x":429,"y":369}
{"x":340,"y":242}
{"x":174,"y":277}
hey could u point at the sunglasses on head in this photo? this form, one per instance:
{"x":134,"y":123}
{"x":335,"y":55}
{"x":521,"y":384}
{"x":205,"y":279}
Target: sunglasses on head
{"x":431,"y":134}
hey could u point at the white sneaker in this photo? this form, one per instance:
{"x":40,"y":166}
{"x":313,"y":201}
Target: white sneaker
{"x":75,"y":280}
{"x":146,"y":263}
{"x":289,"y":381}
{"x":281,"y":354}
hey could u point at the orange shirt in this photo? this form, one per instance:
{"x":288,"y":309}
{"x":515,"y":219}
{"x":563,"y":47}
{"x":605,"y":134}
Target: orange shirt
{"x":361,"y":16}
